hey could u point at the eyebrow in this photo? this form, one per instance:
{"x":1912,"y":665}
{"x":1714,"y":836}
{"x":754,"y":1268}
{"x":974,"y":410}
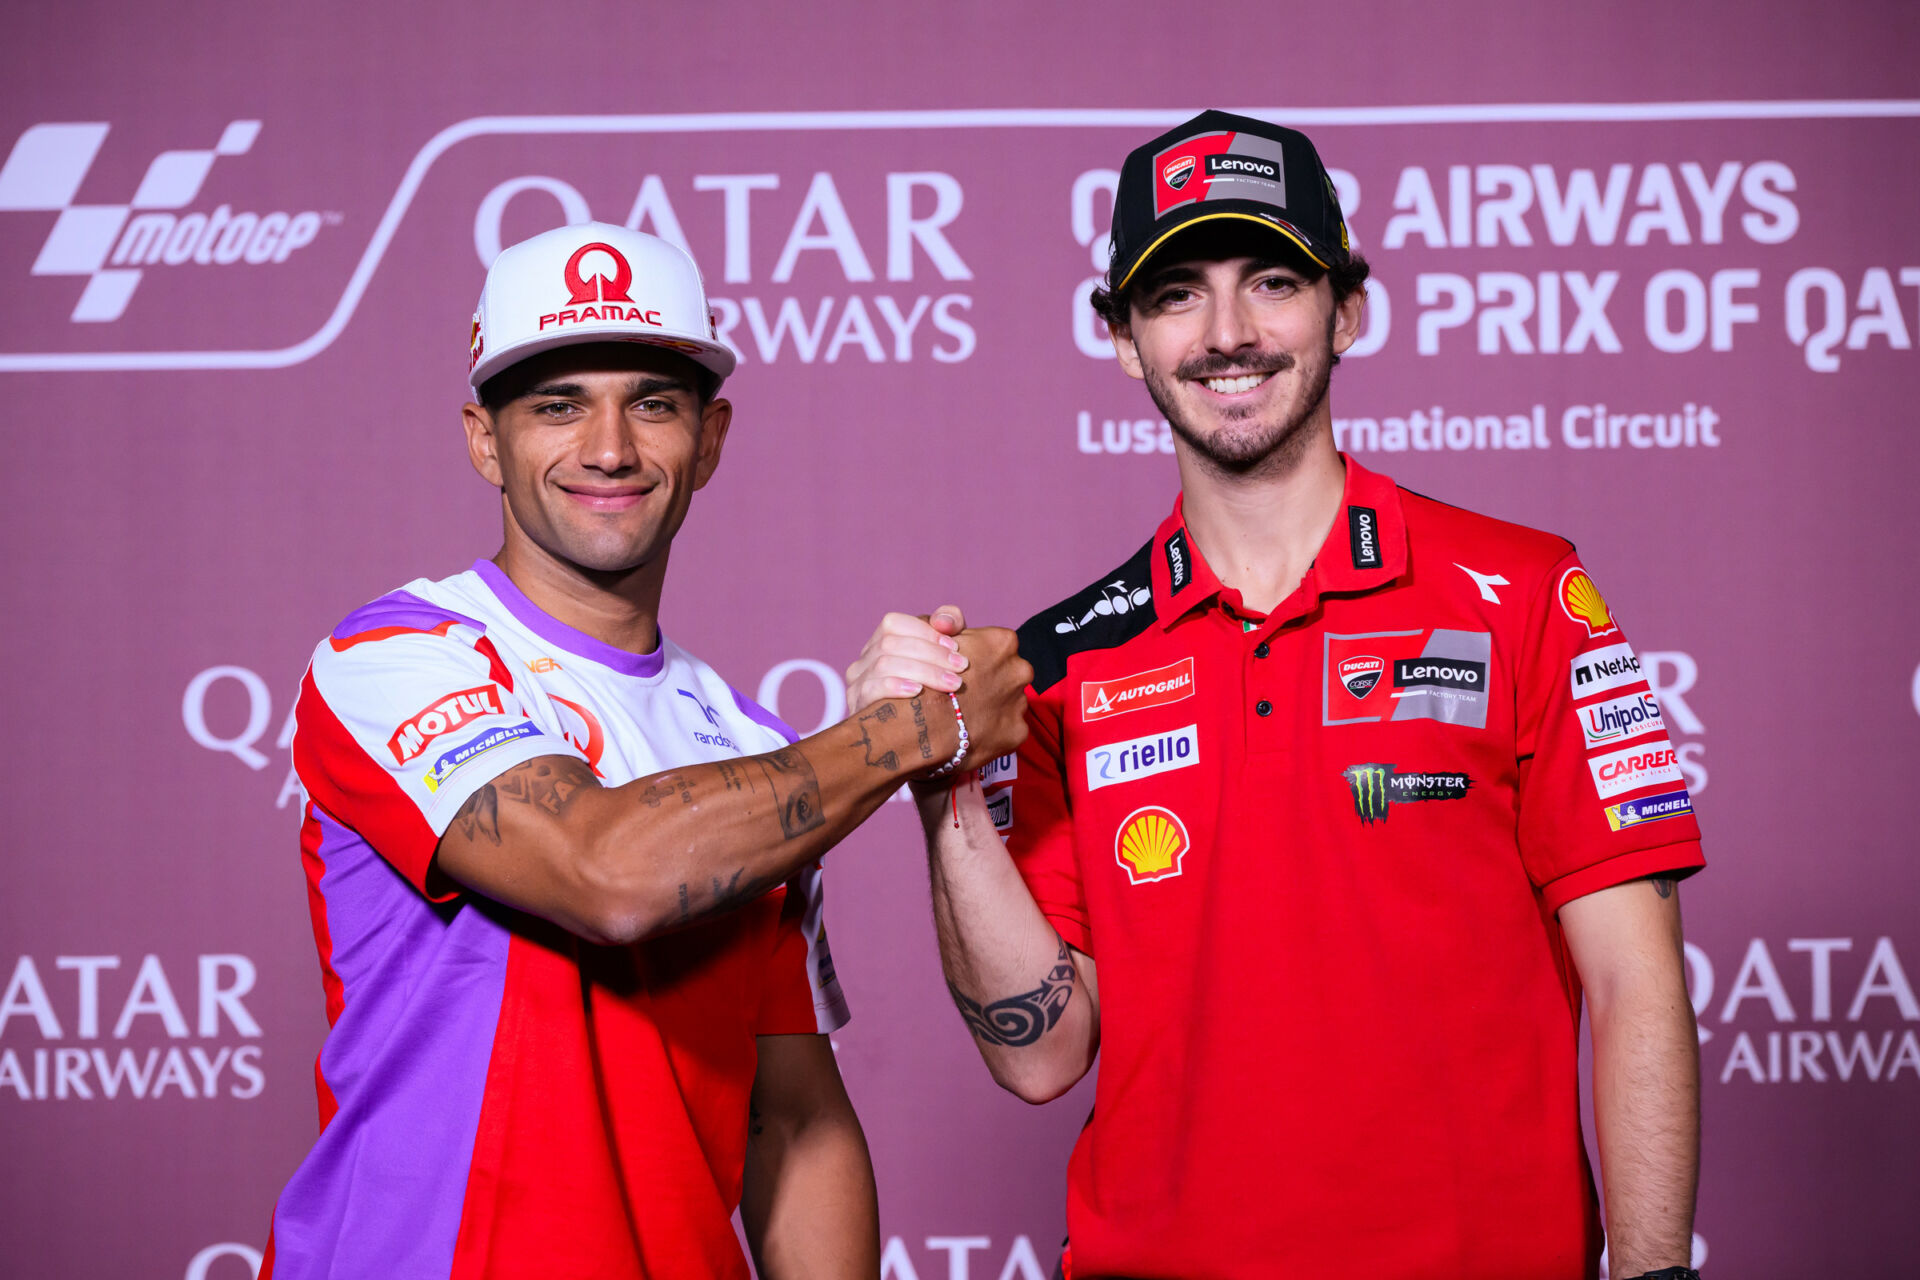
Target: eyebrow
{"x":641,"y":385}
{"x":1181,"y":273}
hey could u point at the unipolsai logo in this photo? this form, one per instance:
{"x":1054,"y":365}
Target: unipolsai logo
{"x":113,"y":245}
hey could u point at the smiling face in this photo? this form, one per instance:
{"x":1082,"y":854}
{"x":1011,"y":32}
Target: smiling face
{"x":597,"y":450}
{"x":1236,"y":345}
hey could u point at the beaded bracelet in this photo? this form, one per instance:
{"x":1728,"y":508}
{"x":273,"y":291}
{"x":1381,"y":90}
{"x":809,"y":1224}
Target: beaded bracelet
{"x":961,"y":754}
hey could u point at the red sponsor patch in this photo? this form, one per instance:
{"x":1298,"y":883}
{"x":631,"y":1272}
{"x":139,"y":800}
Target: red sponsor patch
{"x":443,"y":716}
{"x":1177,"y":170}
{"x":1102,"y":698}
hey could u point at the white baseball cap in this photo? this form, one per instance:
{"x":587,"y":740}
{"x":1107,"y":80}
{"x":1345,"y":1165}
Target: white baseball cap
{"x":592,"y":282}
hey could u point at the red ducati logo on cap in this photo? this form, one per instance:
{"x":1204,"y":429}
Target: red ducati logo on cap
{"x":599,"y":288}
{"x":1178,"y":170}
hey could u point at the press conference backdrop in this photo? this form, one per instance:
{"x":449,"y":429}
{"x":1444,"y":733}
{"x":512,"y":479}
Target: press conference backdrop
{"x":1650,"y":280}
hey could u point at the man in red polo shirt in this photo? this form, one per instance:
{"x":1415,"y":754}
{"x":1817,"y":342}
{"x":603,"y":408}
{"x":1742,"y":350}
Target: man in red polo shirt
{"x":1336,"y":799}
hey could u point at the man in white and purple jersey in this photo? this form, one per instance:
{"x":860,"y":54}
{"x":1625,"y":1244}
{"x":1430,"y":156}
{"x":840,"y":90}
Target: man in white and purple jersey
{"x":564,"y":879}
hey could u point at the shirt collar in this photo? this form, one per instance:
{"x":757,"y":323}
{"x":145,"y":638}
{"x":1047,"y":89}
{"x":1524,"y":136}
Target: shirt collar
{"x":1365,"y":549}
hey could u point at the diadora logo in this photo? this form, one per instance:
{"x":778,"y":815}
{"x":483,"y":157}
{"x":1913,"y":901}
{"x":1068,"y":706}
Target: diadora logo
{"x":1156,"y":688}
{"x":112,"y":244}
{"x":444,"y":716}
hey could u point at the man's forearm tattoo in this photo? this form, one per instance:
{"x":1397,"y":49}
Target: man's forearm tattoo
{"x":548,"y":784}
{"x":881,"y":714}
{"x":796,"y":791}
{"x":921,"y":728}
{"x":1022,"y":1019}
{"x":667,"y":786}
{"x":722,"y":895}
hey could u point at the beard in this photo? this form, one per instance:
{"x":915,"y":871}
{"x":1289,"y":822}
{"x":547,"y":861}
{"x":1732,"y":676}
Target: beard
{"x":1247,"y":445}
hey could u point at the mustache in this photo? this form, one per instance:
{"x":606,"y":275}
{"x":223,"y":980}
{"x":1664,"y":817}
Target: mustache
{"x":1219,"y":366}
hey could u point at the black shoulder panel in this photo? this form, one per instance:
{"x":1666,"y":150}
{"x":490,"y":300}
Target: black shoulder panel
{"x":1104,"y":616}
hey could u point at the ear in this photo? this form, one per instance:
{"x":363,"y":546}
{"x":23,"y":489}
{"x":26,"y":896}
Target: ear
{"x":482,"y":444}
{"x":1129,"y":354}
{"x":714,"y":421}
{"x":1346,"y":320}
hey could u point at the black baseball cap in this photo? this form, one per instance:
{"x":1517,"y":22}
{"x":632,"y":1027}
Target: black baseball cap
{"x":1222,"y":166}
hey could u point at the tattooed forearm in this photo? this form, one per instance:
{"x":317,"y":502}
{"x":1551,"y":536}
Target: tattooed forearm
{"x":1022,"y":1019}
{"x":881,"y":714}
{"x":667,"y":786}
{"x":732,"y":776}
{"x":921,"y":729}
{"x":796,"y":791}
{"x":722,"y":895}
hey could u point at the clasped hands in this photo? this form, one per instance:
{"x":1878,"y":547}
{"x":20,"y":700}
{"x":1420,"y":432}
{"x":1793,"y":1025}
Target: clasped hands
{"x":908,"y":656}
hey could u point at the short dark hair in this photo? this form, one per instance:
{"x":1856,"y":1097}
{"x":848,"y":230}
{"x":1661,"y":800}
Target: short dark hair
{"x":1114,"y":303}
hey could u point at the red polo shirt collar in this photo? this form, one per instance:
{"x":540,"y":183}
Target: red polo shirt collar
{"x":1366,"y":549}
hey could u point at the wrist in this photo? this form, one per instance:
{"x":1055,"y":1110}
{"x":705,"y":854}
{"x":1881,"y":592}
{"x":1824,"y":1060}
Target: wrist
{"x":1667,"y":1273}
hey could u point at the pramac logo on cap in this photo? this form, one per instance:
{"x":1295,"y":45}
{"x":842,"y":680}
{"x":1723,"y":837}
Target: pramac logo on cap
{"x":599,"y":288}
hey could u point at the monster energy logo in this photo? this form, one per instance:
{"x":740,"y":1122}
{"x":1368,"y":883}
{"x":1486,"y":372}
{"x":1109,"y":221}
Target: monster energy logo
{"x":1376,"y":786}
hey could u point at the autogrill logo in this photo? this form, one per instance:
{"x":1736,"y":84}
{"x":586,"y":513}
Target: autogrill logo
{"x":111,"y":244}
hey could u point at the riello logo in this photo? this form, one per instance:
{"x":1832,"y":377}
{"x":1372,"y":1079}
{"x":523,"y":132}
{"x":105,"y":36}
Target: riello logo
{"x":113,"y":244}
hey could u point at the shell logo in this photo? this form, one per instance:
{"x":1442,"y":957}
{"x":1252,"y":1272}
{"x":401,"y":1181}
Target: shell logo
{"x":1150,"y":844}
{"x":1583,"y":603}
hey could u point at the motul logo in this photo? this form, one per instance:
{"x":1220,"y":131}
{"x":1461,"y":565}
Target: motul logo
{"x":423,"y":726}
{"x":1156,"y":688}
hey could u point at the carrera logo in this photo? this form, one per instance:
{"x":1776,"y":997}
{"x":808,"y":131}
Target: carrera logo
{"x":1102,"y":698}
{"x":1581,"y":601}
{"x":444,"y":716}
{"x":1361,"y":674}
{"x":1177,"y":170}
{"x":1150,"y":844}
{"x":1243,"y":166}
{"x":110,"y":244}
{"x":1620,"y":719}
{"x":1635,"y":767}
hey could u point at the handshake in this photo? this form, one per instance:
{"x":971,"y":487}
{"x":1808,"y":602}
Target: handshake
{"x":908,"y":656}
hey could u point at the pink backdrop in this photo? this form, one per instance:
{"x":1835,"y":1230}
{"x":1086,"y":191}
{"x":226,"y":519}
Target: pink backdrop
{"x":227,"y":428}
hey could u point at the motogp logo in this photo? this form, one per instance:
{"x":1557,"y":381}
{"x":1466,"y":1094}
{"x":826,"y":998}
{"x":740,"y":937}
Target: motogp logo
{"x":598,"y":288}
{"x":1361,"y":674}
{"x":1177,"y":171}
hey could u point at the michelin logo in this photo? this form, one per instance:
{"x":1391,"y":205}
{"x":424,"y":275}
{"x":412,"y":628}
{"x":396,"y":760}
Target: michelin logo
{"x":445,"y":766}
{"x":1634,"y":813}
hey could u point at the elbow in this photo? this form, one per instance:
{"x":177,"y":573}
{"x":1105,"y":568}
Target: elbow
{"x":615,"y":904}
{"x":1037,"y":1082}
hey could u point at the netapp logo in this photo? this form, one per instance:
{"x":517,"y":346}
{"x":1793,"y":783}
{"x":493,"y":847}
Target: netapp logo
{"x":1243,"y":164}
{"x":1608,"y":667}
{"x":1446,"y":674}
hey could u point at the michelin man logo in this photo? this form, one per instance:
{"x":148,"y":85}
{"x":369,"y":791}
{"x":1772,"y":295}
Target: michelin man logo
{"x":111,"y":243}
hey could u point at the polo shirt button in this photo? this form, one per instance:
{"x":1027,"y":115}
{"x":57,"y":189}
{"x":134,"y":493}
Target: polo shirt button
{"x":1261,"y":650}
{"x":1263,"y":708}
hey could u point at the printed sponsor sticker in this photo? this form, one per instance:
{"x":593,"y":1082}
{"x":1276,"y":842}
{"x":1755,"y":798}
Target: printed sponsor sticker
{"x":1581,"y":601}
{"x":1438,"y":674}
{"x":1645,"y":809}
{"x":1150,"y":844}
{"x":1375,"y":786}
{"x":1608,"y":667}
{"x":449,"y":761}
{"x":1143,"y":757}
{"x":1156,"y":688}
{"x":1619,"y":719}
{"x":1000,"y":769}
{"x":1632,"y":768}
{"x":1000,"y":809}
{"x":442,"y":716}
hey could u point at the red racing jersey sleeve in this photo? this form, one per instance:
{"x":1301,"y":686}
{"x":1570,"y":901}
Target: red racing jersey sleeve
{"x":405,"y":711}
{"x":1033,"y":811}
{"x":1602,"y":799}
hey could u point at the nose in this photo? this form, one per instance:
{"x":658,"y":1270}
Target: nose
{"x":1230,"y":323}
{"x":607,"y":445}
